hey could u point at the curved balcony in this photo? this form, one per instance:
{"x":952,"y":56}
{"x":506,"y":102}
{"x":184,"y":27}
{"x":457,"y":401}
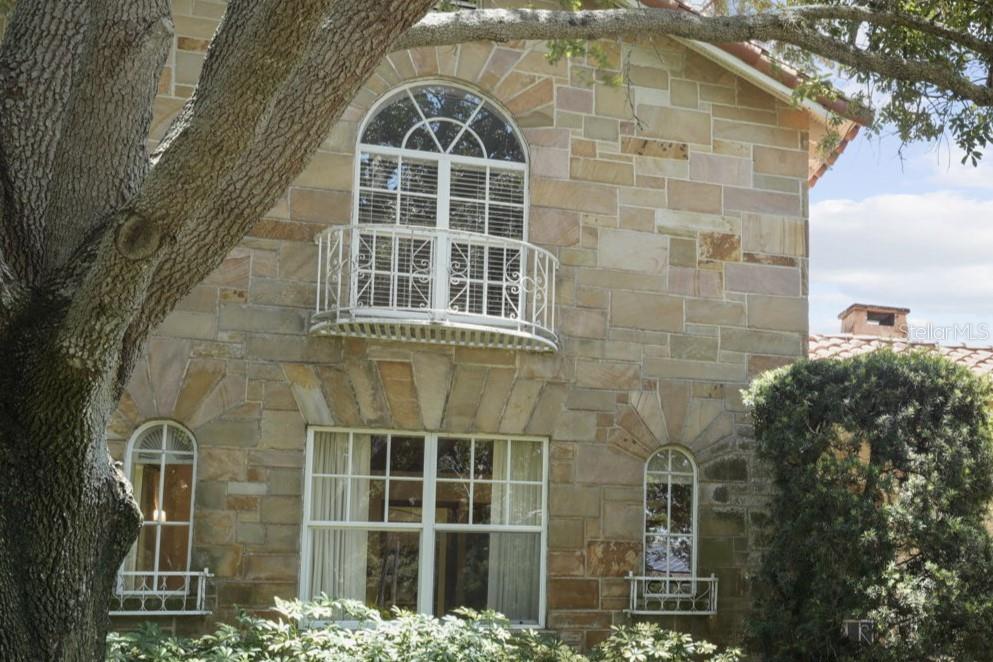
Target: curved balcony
{"x":435,"y":285}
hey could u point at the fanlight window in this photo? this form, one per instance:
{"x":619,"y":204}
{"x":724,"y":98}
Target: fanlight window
{"x":441,"y":158}
{"x":670,"y":514}
{"x":161,"y":464}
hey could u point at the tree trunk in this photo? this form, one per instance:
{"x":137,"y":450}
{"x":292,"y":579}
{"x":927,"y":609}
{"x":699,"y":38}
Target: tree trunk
{"x":67,"y":517}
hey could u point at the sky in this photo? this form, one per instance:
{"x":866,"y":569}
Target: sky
{"x":915,"y":233}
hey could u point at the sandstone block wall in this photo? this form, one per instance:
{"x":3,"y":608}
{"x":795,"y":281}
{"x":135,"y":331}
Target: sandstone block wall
{"x":677,"y":206}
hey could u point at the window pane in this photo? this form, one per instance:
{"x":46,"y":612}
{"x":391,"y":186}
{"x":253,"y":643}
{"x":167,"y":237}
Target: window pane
{"x":446,"y":133}
{"x":681,"y":463}
{"x":442,"y":101}
{"x":421,"y":140}
{"x":498,"y":137}
{"x":406,"y":500}
{"x":174,"y":548}
{"x":526,"y":460}
{"x":656,"y":506}
{"x":420,"y":176}
{"x":497,"y":571}
{"x":146,"y":485}
{"x":467,"y":216}
{"x":681,"y":508}
{"x":656,"y":558}
{"x":376,"y":567}
{"x":150,"y":439}
{"x":369,"y":455}
{"x":379,"y":171}
{"x":488,"y":503}
{"x":178,"y":440}
{"x":407,"y":456}
{"x":468,"y":182}
{"x":453,"y":458}
{"x":525,"y":505}
{"x":504,"y":221}
{"x":680,"y":554}
{"x":391,"y":123}
{"x":377,"y":208}
{"x":328,"y":500}
{"x":145,"y":548}
{"x":491,"y":459}
{"x":507,"y":186}
{"x":468,"y":145}
{"x":177,"y":492}
{"x":368,"y":499}
{"x":452,"y":502}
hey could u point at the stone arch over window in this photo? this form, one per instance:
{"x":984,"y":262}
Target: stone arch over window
{"x":670,"y":532}
{"x":446,"y":163}
{"x":161,"y":463}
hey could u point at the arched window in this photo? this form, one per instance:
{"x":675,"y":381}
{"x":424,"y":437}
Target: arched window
{"x":450,"y":169}
{"x":670,"y":514}
{"x":161,"y":464}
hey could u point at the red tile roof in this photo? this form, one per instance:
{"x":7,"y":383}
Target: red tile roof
{"x":844,"y":345}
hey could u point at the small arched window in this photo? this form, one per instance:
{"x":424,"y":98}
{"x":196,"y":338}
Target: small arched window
{"x":449,"y":168}
{"x":670,"y":514}
{"x":161,"y":464}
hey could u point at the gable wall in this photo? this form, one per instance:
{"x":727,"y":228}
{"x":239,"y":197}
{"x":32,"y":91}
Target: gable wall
{"x":677,"y":207}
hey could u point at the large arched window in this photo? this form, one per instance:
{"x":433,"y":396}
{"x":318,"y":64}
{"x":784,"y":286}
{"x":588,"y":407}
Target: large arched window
{"x":161,"y":464}
{"x":442,"y":159}
{"x":670,"y":514}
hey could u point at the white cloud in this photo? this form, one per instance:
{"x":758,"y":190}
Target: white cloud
{"x":944,"y":169}
{"x":931,"y":252}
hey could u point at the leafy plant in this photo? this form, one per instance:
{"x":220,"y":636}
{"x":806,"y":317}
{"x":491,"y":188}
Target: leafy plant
{"x":883,"y":469}
{"x":308,"y":631}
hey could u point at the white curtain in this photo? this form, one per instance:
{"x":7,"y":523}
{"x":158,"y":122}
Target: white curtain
{"x":339,"y":556}
{"x":514,"y":557}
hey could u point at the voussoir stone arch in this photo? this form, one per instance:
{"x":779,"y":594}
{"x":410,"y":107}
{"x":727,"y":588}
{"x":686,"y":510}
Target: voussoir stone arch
{"x":668,"y":414}
{"x":171,"y":382}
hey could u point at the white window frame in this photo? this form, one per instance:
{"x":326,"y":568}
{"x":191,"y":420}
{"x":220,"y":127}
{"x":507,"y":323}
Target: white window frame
{"x":427,"y":526}
{"x":445,"y":161}
{"x":694,"y":519}
{"x":165,"y":424}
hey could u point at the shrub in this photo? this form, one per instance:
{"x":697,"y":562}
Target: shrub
{"x":469,"y":636}
{"x":883,"y":469}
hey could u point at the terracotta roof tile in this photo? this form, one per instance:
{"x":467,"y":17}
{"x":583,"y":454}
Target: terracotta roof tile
{"x":843,"y":346}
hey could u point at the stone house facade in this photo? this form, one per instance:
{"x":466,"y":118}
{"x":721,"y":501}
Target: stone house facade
{"x":653,"y":257}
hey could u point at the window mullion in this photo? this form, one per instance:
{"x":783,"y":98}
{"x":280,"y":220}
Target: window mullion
{"x":442,"y":249}
{"x":425,"y":577}
{"x":156,"y":516}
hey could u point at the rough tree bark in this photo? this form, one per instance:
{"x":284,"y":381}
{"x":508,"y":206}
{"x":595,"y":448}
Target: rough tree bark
{"x":99,"y":240}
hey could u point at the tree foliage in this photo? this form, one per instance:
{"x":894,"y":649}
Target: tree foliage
{"x":921,"y":68}
{"x":883,"y":469}
{"x":468,"y":636}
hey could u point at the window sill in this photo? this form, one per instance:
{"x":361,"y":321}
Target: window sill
{"x":672,"y":595}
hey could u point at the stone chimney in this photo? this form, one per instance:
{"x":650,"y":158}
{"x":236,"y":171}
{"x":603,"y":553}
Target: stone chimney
{"x":866,"y":320}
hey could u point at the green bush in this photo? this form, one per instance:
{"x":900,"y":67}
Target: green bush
{"x":883,"y":469}
{"x":469,"y":636}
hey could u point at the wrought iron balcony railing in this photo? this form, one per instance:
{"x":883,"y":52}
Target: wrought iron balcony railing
{"x":672,"y":595}
{"x":163,"y":594}
{"x":435,"y":285}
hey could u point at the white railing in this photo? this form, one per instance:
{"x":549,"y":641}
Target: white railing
{"x":435,"y":285}
{"x":163,"y":594}
{"x":672,"y":595}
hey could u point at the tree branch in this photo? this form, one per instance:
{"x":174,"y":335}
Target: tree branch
{"x":350,"y":45}
{"x":257,"y":45}
{"x":39,"y":58}
{"x":103,"y":158}
{"x":788,"y":26}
